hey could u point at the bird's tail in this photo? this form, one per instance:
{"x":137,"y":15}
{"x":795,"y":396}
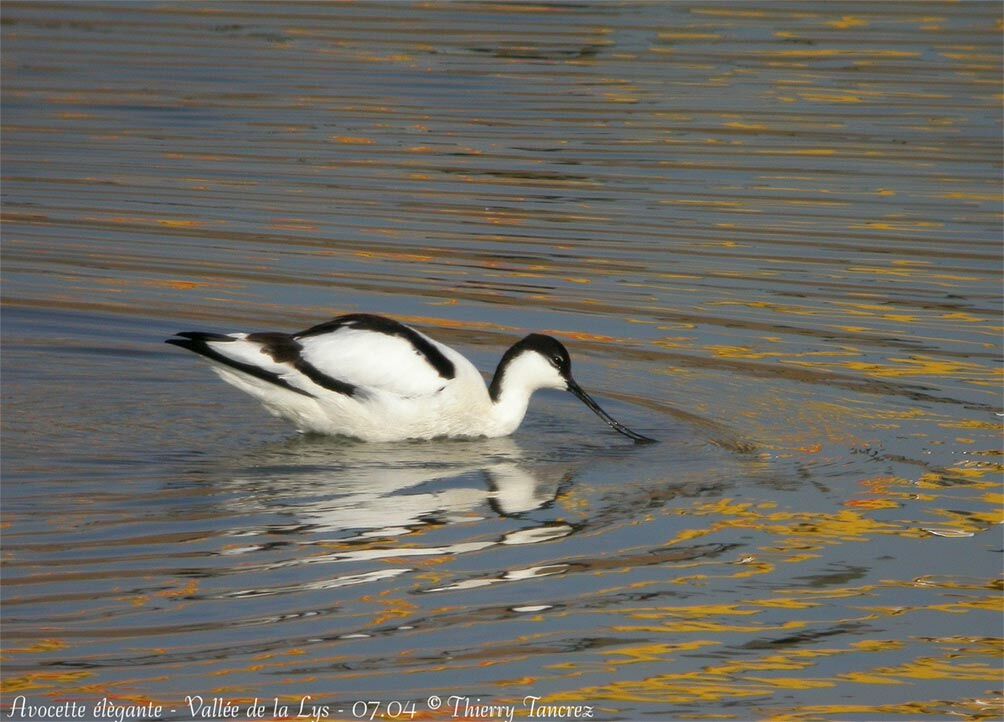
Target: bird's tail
{"x":238,"y":353}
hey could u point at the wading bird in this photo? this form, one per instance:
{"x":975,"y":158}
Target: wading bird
{"x":375,"y":379}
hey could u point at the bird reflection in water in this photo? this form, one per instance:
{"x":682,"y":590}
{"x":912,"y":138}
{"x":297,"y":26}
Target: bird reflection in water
{"x":361,"y":491}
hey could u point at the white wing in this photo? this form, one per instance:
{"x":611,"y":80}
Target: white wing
{"x":348,"y":355}
{"x":378,"y":354}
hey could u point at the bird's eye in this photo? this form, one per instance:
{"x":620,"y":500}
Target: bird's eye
{"x":557,"y":360}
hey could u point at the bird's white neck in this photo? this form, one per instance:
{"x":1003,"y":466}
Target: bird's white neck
{"x":517,"y":377}
{"x":509,"y":408}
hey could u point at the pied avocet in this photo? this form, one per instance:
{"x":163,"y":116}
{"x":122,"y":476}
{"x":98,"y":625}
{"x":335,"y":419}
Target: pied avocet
{"x":375,"y":379}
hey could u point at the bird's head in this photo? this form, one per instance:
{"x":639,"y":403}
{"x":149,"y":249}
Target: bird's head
{"x":542,"y":362}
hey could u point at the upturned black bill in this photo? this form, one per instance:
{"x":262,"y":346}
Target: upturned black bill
{"x":614,"y":424}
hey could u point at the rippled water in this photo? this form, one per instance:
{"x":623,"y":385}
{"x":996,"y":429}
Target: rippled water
{"x":770,"y":235}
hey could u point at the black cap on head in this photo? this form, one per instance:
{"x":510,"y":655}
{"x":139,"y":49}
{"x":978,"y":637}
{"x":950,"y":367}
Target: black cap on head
{"x":554,"y":351}
{"x":547,"y":346}
{"x":550,"y":348}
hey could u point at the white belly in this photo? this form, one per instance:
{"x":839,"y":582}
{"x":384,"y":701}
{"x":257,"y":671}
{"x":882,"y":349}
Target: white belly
{"x":461,"y":409}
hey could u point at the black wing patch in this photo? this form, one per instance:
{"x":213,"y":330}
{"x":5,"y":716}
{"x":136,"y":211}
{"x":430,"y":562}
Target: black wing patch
{"x":197,"y":342}
{"x":389,"y":327}
{"x":282,"y":347}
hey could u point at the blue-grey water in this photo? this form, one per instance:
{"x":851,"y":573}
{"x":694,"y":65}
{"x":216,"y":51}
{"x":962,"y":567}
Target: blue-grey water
{"x":769,"y":233}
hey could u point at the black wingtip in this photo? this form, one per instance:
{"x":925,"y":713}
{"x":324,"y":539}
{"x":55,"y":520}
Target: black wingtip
{"x":183,"y":342}
{"x":197,"y":342}
{"x":204,"y":336}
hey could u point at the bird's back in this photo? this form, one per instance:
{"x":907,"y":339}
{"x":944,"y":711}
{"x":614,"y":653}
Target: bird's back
{"x":357,"y":375}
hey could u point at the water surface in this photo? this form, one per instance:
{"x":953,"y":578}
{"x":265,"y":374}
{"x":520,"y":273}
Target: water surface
{"x":769,"y":234}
